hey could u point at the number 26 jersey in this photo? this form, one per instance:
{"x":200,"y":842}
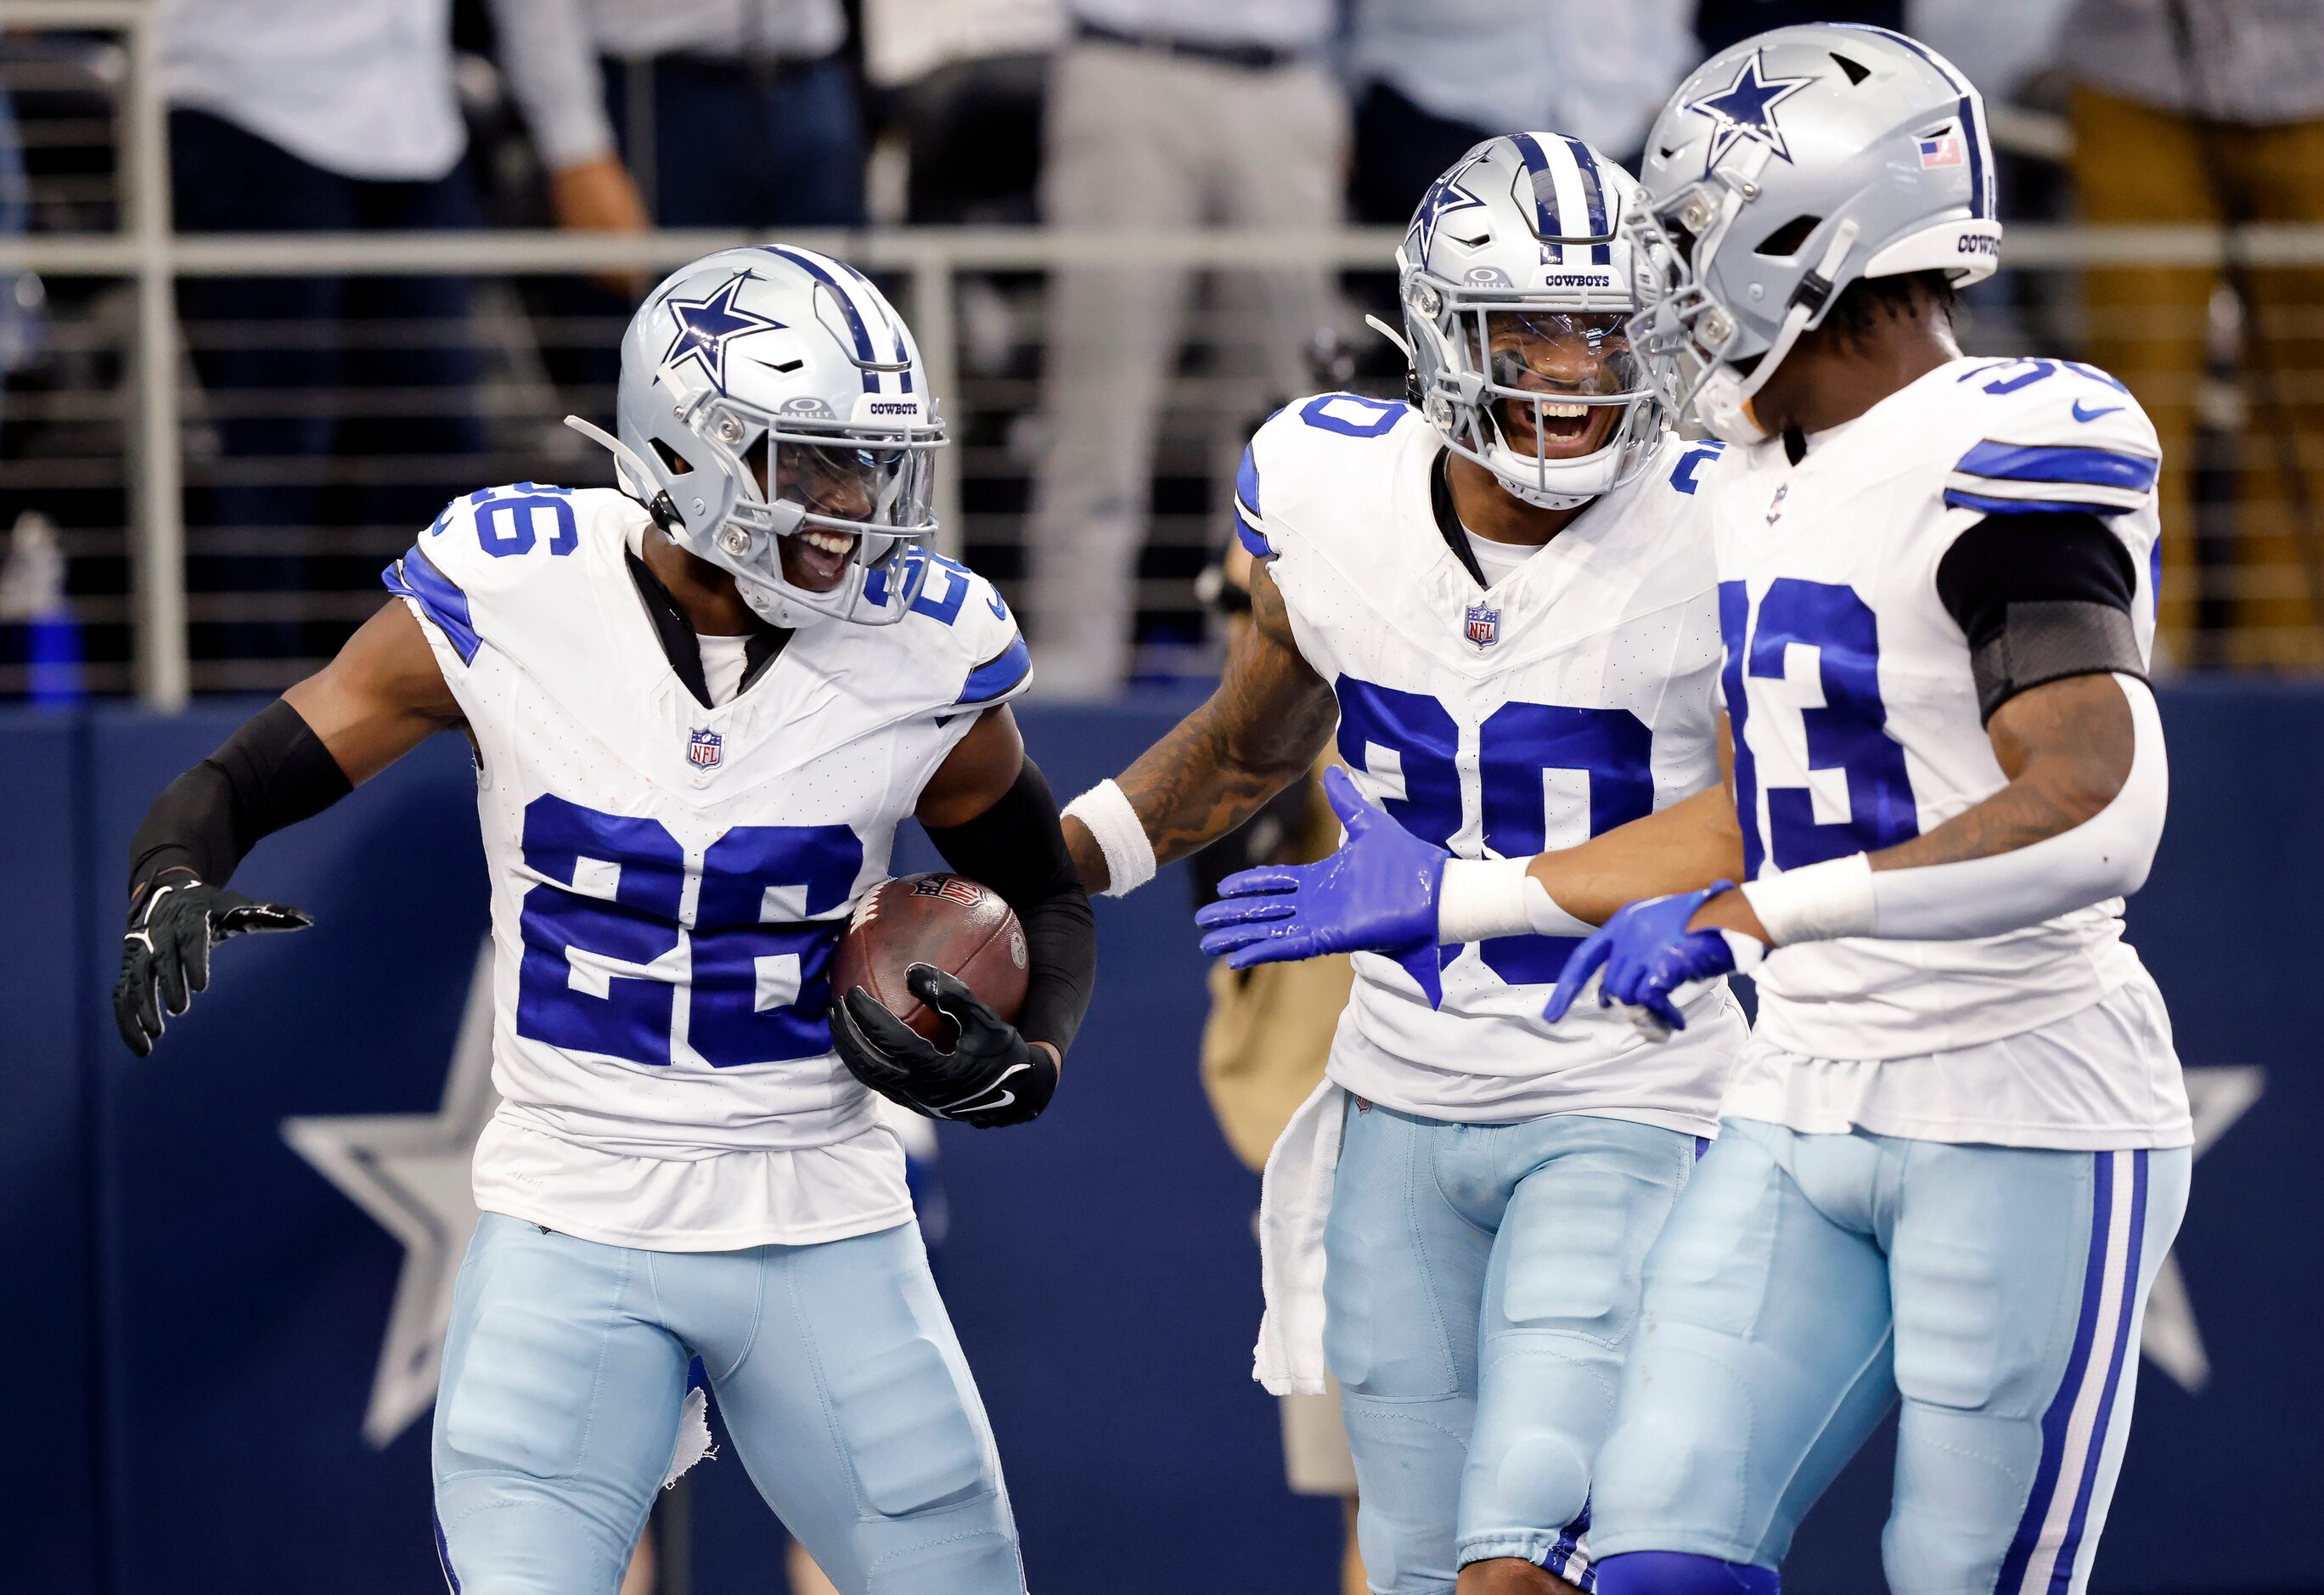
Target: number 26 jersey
{"x":668,"y":880}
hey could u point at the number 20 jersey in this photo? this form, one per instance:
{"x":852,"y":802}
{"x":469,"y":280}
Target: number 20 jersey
{"x":1575,"y":694}
{"x":1857,"y":727}
{"x":668,"y":880}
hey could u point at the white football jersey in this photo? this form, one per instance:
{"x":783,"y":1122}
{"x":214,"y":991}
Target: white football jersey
{"x":1574,"y":694}
{"x":668,"y":880}
{"x":1856,"y":725}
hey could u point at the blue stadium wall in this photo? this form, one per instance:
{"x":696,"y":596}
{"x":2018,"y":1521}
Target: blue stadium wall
{"x":194,"y":1314}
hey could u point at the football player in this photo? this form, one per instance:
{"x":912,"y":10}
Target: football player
{"x":699,"y":705}
{"x":1501,"y":590}
{"x":1957,"y":1149}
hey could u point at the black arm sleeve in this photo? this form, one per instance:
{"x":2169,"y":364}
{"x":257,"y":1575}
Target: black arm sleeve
{"x":273,"y":772}
{"x":2040,"y":597}
{"x":1017,"y":848}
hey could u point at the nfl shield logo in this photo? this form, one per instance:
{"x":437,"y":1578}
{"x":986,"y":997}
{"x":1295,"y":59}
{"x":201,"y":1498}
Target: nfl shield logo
{"x":704,"y":747}
{"x":1484,"y":627}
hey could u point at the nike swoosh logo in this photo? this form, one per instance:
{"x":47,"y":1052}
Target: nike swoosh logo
{"x":2081,"y":414}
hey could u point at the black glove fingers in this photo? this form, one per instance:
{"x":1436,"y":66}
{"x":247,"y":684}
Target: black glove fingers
{"x":137,"y":1010}
{"x":202,"y":934}
{"x":168,"y":932}
{"x":902,"y":1044}
{"x":971,"y":1016}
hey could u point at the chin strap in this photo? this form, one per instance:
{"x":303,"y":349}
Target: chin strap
{"x":629,"y":470}
{"x":1724,"y":404}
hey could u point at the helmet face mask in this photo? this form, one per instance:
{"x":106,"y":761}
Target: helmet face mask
{"x":1515,"y":294}
{"x":801,"y":462}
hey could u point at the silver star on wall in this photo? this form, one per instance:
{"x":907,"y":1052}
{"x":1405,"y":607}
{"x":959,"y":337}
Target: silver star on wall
{"x":411,"y":1171}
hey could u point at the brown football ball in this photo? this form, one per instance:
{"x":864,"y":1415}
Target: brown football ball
{"x":946,"y":920}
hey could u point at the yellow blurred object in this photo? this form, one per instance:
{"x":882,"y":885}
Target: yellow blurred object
{"x":2136,"y":164}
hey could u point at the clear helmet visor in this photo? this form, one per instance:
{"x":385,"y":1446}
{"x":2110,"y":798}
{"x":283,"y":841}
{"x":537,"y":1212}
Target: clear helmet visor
{"x":848,"y":485}
{"x":1559,"y":382}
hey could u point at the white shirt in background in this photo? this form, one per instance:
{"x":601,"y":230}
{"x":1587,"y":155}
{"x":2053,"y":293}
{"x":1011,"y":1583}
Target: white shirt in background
{"x":550,"y":51}
{"x":360,"y":87}
{"x":1600,"y":72}
{"x":1275,"y":25}
{"x":906,"y":39}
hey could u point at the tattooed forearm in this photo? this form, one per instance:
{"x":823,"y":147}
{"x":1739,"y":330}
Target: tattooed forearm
{"x":2066,"y":748}
{"x":1261,"y":730}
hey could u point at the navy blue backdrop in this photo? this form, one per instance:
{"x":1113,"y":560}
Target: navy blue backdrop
{"x":197,"y":1313}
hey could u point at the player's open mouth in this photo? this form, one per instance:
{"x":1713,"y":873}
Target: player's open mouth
{"x":1567,"y":429}
{"x":817,"y":559}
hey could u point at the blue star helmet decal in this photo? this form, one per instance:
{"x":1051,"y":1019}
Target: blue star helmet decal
{"x":706,"y":326}
{"x":1745,"y":109}
{"x":1444,"y":196}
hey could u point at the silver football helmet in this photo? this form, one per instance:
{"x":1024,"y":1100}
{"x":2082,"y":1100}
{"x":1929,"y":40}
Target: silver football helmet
{"x":1783,"y":169}
{"x":1517,"y":289}
{"x":771,"y":400}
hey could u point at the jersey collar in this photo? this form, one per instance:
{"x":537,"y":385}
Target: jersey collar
{"x":676,"y":635}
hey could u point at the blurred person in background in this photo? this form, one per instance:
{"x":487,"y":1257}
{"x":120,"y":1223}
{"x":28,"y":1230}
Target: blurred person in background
{"x":966,"y":81}
{"x":689,"y":113}
{"x":318,"y":115}
{"x":1433,"y":78}
{"x":2212,"y":111}
{"x":1263,"y":1047}
{"x":1718,"y":23}
{"x":1163,"y":114}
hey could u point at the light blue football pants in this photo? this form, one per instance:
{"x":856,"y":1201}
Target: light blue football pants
{"x":1480,"y":1284}
{"x":1806,"y":1282}
{"x":834,"y":1367}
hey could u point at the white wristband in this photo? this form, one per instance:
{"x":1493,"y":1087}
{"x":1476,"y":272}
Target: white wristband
{"x":1482,"y":898}
{"x":1815,"y":902}
{"x":1120,"y":836}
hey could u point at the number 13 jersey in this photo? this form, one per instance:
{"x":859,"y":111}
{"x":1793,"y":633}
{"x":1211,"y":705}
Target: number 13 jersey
{"x":1573,"y":694}
{"x":1855,"y":723}
{"x":668,"y":880}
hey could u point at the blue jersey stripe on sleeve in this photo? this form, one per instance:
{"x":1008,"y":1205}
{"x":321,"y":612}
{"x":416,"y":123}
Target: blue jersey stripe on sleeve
{"x":2027,"y":462}
{"x":1000,"y":674}
{"x":1960,"y":500}
{"x":413,"y":578}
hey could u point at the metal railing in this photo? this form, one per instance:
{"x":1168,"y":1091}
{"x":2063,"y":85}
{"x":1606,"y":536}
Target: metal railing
{"x":150,"y":261}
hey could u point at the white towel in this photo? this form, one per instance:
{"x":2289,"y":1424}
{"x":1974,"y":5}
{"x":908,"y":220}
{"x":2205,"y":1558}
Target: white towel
{"x":1294,"y":1199}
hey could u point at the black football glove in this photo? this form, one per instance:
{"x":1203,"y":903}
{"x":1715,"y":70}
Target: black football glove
{"x":991,"y":1076}
{"x":165,"y":954}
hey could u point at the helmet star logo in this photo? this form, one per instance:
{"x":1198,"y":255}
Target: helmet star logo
{"x":1746,"y":108}
{"x":1444,"y":196}
{"x":706,"y":325}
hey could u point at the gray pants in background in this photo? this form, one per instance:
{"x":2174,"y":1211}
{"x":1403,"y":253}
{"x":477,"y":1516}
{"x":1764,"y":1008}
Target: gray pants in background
{"x":1142,"y":140}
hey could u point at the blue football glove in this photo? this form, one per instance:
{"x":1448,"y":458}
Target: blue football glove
{"x":1647,"y":953}
{"x":1378,"y":894}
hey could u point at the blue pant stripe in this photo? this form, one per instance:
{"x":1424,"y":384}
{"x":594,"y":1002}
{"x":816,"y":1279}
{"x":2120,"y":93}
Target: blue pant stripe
{"x":444,"y":1551}
{"x":2057,"y":1420}
{"x":2061,"y":1575}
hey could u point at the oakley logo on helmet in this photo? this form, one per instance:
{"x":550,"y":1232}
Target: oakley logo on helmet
{"x":1487,"y":277}
{"x":1745,"y":109}
{"x":807,"y":407}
